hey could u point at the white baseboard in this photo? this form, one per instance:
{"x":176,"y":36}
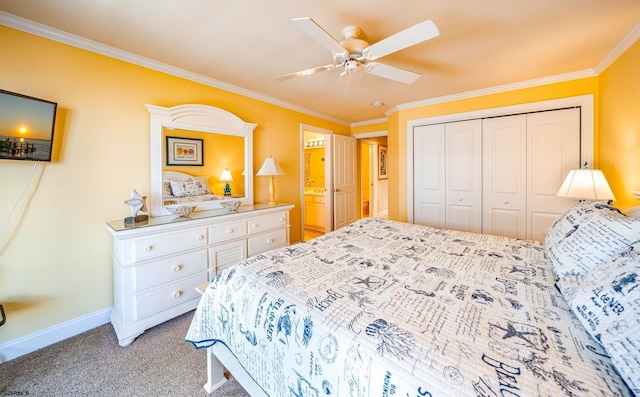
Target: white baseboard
{"x":38,"y":340}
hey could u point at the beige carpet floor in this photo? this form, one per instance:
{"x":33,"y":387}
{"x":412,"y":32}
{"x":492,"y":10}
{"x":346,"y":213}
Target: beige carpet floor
{"x":157,"y":363}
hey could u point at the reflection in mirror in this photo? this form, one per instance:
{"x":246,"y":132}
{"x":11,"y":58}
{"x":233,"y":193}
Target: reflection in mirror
{"x":219,"y":153}
{"x":191,"y":146}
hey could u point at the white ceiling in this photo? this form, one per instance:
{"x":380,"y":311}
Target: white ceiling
{"x":246,"y":44}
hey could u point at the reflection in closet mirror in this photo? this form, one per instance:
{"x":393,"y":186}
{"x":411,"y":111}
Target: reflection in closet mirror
{"x":190,"y":147}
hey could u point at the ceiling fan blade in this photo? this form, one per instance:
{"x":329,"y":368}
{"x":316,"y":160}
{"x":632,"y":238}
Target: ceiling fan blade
{"x":306,"y":72}
{"x":411,"y":36}
{"x":316,"y":32}
{"x":391,"y":72}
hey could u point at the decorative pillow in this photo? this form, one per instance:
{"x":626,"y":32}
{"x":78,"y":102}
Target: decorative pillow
{"x":192,"y":187}
{"x":587,"y":234}
{"x":607,"y":302}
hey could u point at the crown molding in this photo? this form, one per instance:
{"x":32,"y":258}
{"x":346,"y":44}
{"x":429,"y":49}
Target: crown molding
{"x":60,"y":36}
{"x":495,"y":90}
{"x":623,"y":45}
{"x":369,"y":122}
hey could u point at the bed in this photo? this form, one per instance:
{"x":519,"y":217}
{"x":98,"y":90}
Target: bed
{"x":182,"y":188}
{"x":383,"y":308}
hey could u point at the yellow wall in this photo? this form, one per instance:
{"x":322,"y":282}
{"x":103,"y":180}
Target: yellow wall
{"x":619,"y":141}
{"x":397,"y":126}
{"x":55,"y":255}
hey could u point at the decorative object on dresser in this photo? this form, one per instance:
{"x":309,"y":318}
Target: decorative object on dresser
{"x":232,"y":206}
{"x":182,"y":211}
{"x":226,"y":177}
{"x":156,"y":266}
{"x":586,"y":184}
{"x":137,"y":203}
{"x":271,"y":168}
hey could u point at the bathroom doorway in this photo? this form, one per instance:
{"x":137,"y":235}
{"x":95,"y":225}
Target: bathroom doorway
{"x":317,"y":182}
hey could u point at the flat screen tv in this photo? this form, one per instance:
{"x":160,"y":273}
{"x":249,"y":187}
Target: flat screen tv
{"x":26,"y":127}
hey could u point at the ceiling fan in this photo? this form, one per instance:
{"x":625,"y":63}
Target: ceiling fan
{"x":353,"y":52}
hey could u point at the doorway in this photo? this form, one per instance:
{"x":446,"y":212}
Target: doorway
{"x":317,"y":203}
{"x":374,"y":186}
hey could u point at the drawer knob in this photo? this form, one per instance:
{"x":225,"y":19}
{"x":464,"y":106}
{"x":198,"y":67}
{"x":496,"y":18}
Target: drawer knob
{"x":460,"y":199}
{"x":148,"y":248}
{"x":270,"y":241}
{"x":255,"y":225}
{"x":177,"y":268}
{"x":229,"y":230}
{"x":177,"y":294}
{"x":201,"y":237}
{"x":506,"y":202}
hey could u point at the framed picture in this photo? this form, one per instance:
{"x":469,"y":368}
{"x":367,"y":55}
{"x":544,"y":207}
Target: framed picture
{"x":184,"y":151}
{"x":382,"y":162}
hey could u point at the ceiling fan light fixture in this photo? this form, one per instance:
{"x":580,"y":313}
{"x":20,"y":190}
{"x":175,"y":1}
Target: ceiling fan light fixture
{"x":350,"y":67}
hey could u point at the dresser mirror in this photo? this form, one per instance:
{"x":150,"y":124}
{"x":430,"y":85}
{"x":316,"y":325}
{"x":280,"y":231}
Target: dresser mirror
{"x":191,"y":146}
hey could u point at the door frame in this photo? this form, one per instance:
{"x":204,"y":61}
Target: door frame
{"x":587,"y":122}
{"x":328,"y":172}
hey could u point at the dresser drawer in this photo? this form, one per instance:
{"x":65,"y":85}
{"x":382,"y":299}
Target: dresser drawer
{"x":267,"y":241}
{"x":263,"y":223}
{"x":227,"y":231}
{"x":158,"y":299}
{"x":166,"y":243}
{"x":170,"y":268}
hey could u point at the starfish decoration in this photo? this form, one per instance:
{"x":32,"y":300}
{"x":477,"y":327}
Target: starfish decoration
{"x":137,"y":203}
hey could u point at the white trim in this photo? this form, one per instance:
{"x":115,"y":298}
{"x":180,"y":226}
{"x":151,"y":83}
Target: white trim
{"x":627,"y":41}
{"x":50,"y":33}
{"x":495,"y":90}
{"x":369,"y":122}
{"x":372,"y":134}
{"x":587,"y":125}
{"x":48,"y":336}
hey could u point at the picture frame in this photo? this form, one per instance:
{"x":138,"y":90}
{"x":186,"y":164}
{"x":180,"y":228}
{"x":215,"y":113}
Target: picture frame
{"x":382,"y":162}
{"x":184,"y":151}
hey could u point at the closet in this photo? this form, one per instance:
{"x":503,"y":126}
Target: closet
{"x":496,"y":175}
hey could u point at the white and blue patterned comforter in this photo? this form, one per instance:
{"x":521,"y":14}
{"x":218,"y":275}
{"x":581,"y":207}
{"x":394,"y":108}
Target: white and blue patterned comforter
{"x":382,"y":308}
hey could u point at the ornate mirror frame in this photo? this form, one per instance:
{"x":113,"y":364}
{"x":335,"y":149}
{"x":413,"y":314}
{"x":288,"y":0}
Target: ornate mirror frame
{"x":200,"y":118}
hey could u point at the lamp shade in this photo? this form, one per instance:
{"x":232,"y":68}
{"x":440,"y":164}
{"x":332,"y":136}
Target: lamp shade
{"x":226,"y":176}
{"x":586,"y":184}
{"x":270,"y":167}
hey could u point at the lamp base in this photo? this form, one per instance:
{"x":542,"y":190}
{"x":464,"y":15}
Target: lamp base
{"x":272,"y":192}
{"x":227,"y":190}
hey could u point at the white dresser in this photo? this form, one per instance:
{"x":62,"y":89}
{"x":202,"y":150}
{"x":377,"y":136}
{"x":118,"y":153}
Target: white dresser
{"x":158,"y":264}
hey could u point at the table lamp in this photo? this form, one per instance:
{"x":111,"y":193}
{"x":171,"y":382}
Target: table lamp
{"x":271,"y":168}
{"x":226,"y":177}
{"x":586,"y":184}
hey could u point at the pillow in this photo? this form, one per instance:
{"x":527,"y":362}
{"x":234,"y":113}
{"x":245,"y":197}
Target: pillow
{"x":192,"y":187}
{"x":587,"y":234}
{"x":607,"y":302}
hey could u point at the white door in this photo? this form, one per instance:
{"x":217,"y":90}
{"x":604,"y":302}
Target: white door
{"x":448,"y":175}
{"x":504,"y":199}
{"x":429,"y":175}
{"x":463,"y":201}
{"x":553,"y":148}
{"x":345,"y":203}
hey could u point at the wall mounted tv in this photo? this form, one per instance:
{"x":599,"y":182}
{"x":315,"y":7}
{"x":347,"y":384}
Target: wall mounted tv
{"x":26,"y":127}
